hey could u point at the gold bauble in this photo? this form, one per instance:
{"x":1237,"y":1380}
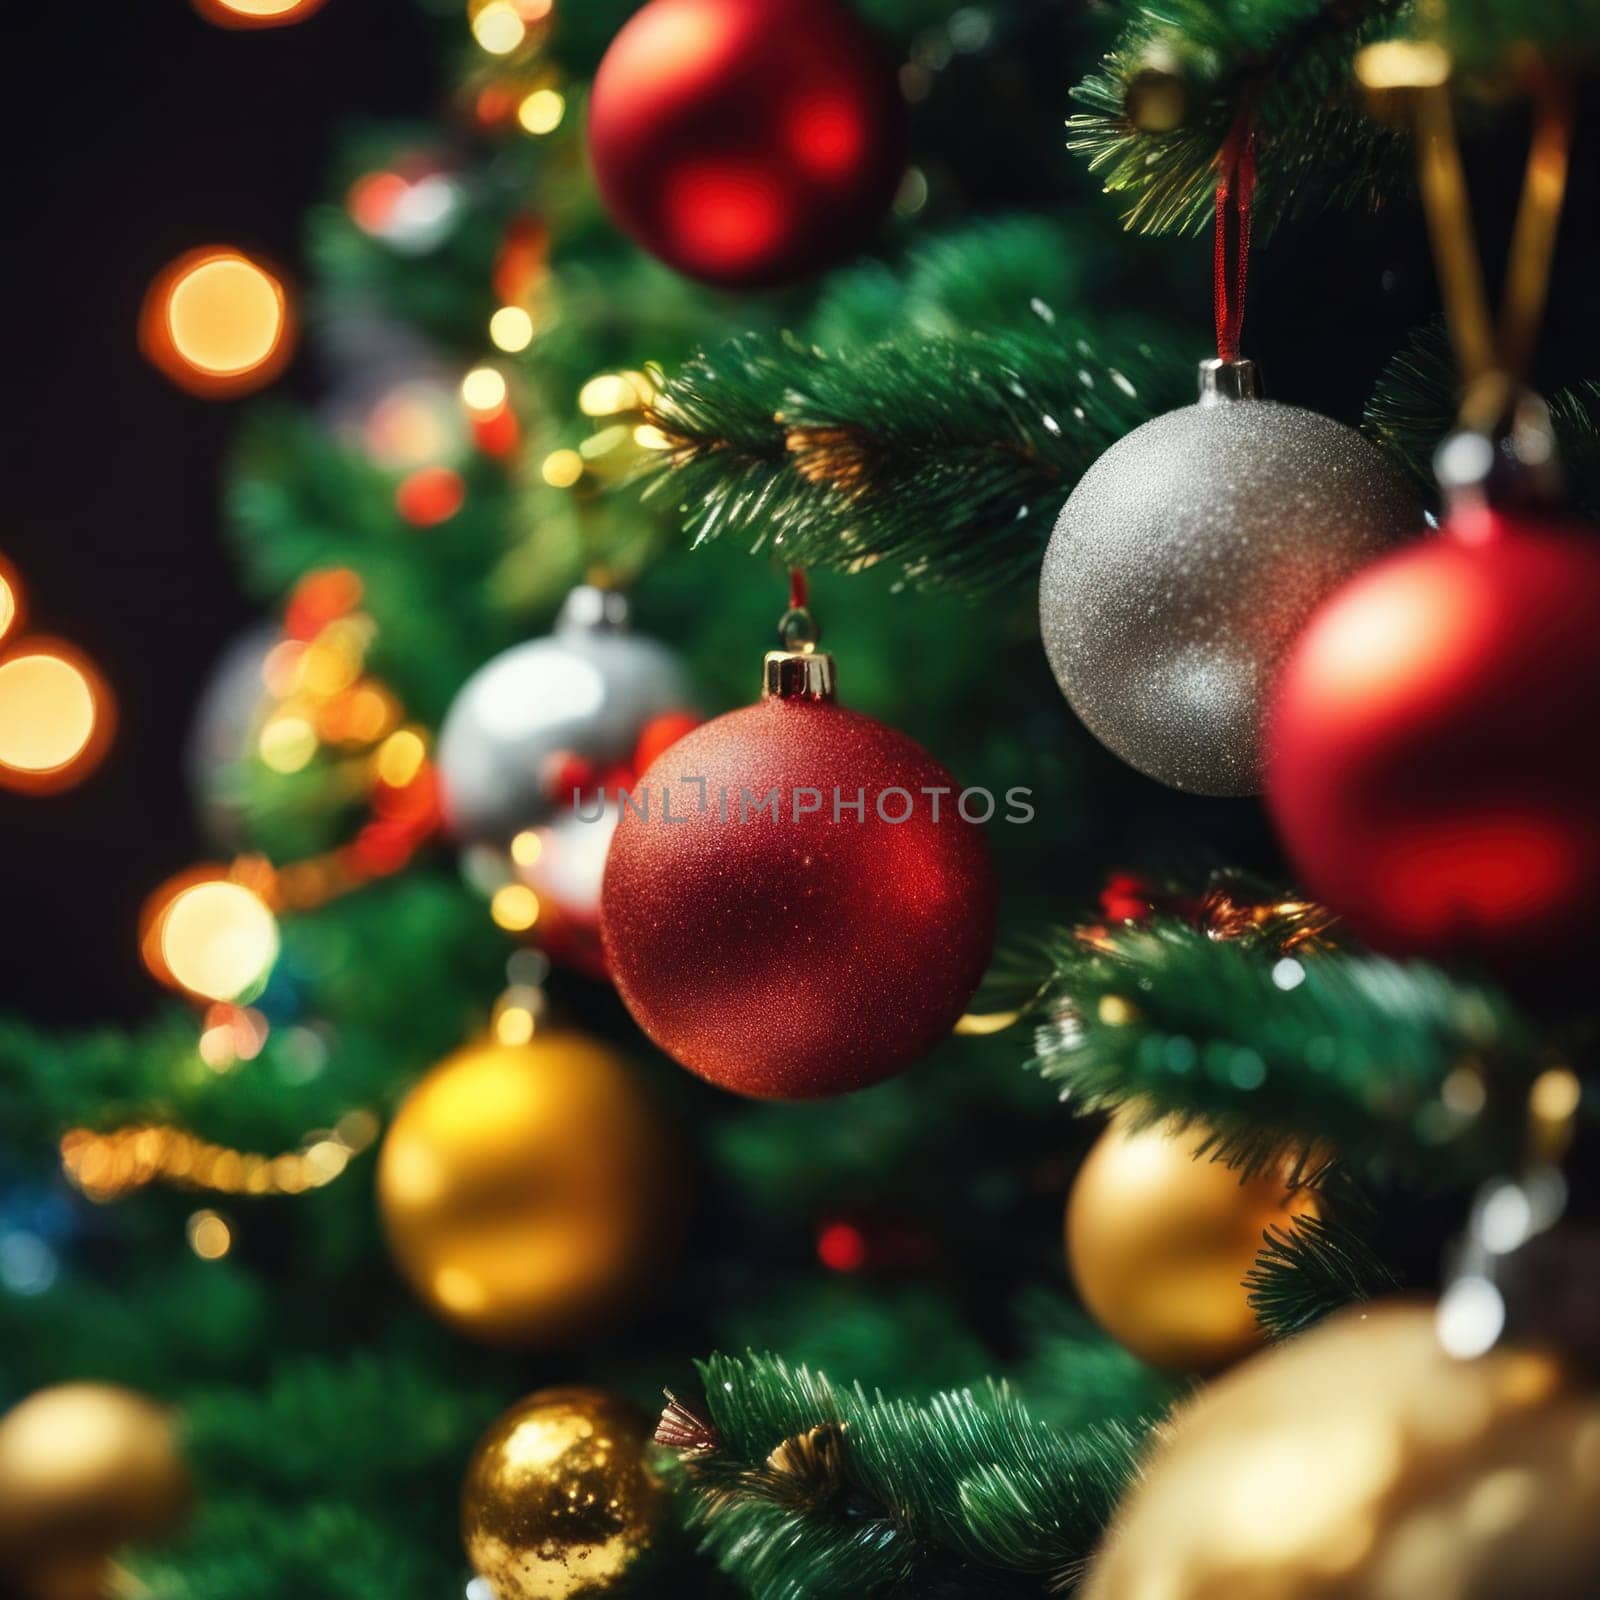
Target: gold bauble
{"x":560,"y":1497}
{"x":84,"y":1469}
{"x":524,"y":1188}
{"x":1159,"y":1243}
{"x":1361,"y":1462}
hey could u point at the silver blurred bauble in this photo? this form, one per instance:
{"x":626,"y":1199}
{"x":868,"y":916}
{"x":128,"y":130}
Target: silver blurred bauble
{"x":1188,"y":558}
{"x":222,"y":734}
{"x":586,"y":692}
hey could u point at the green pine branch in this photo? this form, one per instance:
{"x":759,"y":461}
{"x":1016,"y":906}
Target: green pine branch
{"x":1288,"y":61}
{"x":1319,"y":1263}
{"x":299,"y":501}
{"x":945,"y":457}
{"x":810,"y":1489}
{"x":1397,"y":1068}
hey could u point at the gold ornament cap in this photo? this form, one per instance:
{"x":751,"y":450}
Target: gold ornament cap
{"x":799,"y":671}
{"x":797,"y":675}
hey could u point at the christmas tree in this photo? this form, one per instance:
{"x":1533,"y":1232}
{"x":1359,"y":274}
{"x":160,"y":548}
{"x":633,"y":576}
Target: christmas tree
{"x":758,"y":594}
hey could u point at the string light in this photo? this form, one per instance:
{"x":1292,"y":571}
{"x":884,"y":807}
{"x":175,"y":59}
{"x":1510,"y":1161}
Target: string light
{"x":430,"y":495}
{"x":217,"y":322}
{"x":256,"y":13}
{"x":498,"y":28}
{"x":10,"y":599}
{"x":107,"y":1166}
{"x":218,"y":939}
{"x":514,"y":907}
{"x":541,"y":112}
{"x":610,"y":393}
{"x":55,"y":717}
{"x":400,"y":757}
{"x":232,"y":1034}
{"x":209,"y":1235}
{"x":511,"y":329}
{"x":483,"y":391}
{"x":287,"y":744}
{"x":562,"y":468}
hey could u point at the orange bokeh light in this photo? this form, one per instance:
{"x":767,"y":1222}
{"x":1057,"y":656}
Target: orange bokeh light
{"x":10,"y":598}
{"x":217,"y":322}
{"x":205,"y":932}
{"x":429,"y":496}
{"x":56,"y":717}
{"x":256,"y":13}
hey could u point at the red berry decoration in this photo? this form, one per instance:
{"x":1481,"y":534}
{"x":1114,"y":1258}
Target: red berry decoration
{"x":769,"y":938}
{"x":1432,"y":769}
{"x":747,"y":142}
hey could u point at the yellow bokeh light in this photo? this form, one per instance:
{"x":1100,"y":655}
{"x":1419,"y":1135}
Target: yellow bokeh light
{"x":514,"y":907}
{"x":288,"y":743}
{"x":49,"y":713}
{"x":649,"y":437}
{"x":8,"y":603}
{"x":511,"y":329}
{"x":225,"y":315}
{"x":1403,"y":64}
{"x":210,"y":1237}
{"x":218,"y":939}
{"x":526,"y":848}
{"x":514,"y":1025}
{"x":498,"y":28}
{"x":562,"y":468}
{"x":542,"y":111}
{"x":611,"y":392}
{"x":332,"y":661}
{"x":400,"y":758}
{"x":483,"y":391}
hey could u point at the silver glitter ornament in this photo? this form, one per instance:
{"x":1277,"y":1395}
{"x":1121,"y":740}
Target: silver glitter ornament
{"x":524,"y":723}
{"x":1188,"y":558}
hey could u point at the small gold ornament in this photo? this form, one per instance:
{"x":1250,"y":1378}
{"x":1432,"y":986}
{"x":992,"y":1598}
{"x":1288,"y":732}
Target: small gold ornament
{"x":524,"y":1188}
{"x":85,"y":1468}
{"x":560,"y":1498}
{"x":1159,"y":1243}
{"x":1361,"y":1462}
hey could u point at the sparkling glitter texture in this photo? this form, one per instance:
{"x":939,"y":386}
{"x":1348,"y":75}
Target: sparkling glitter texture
{"x":1186,"y":561}
{"x":794,"y":958}
{"x":559,"y":1499}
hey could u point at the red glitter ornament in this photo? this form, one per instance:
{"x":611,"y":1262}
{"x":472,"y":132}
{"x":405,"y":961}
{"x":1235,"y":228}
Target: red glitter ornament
{"x":747,"y":142}
{"x":765,"y":935}
{"x":1429,"y":770}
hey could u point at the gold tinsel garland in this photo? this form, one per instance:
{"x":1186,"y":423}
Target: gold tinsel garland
{"x":108,"y":1165}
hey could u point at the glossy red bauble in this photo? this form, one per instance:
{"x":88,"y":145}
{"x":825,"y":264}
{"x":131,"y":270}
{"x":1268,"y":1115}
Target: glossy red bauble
{"x":767,"y":938}
{"x":747,"y":142}
{"x":1433,"y":768}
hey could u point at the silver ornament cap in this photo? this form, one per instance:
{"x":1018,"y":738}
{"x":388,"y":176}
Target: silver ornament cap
{"x":1189,"y":557}
{"x":586,"y":690}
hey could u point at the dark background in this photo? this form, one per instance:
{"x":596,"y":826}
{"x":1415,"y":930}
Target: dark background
{"x":139,"y":131}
